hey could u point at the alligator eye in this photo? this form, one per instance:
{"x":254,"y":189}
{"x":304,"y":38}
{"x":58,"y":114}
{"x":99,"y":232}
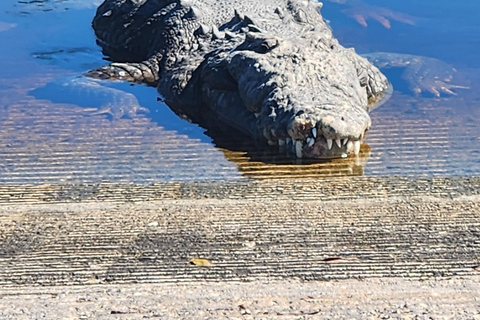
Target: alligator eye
{"x":267,"y":45}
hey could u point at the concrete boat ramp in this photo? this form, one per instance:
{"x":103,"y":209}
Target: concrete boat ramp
{"x":343,"y":248}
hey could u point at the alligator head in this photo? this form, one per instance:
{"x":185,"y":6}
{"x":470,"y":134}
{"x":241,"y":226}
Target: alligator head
{"x":307,"y":95}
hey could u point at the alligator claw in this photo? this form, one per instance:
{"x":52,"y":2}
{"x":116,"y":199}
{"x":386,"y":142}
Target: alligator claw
{"x":361,"y":12}
{"x":437,"y":88}
{"x":434,"y":76}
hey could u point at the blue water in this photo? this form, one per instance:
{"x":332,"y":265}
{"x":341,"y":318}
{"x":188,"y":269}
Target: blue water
{"x":56,"y":36}
{"x":447,"y":30}
{"x":54,"y":40}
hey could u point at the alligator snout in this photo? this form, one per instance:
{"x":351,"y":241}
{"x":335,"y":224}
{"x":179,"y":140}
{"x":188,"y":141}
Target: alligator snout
{"x":327,"y":136}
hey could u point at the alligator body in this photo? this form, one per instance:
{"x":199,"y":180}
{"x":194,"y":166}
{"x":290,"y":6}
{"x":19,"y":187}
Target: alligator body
{"x":270,"y":69}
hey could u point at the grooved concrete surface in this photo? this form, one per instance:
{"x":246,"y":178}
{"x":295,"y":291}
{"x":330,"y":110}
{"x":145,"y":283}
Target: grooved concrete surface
{"x":306,"y":248}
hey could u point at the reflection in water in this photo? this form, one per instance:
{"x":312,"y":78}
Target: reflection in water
{"x":265,"y":164}
{"x":91,"y":94}
{"x":263,"y":161}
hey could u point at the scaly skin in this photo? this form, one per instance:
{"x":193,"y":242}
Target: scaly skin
{"x":272,"y":70}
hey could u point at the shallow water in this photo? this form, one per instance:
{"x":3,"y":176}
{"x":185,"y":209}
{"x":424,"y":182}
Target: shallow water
{"x":48,"y":135}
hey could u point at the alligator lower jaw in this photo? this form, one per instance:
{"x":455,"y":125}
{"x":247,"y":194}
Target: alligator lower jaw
{"x":321,"y":147}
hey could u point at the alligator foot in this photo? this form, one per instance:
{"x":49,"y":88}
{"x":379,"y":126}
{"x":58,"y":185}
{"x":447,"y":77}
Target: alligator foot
{"x":435,"y":84}
{"x":361,"y":12}
{"x":437,"y":87}
{"x":422,"y":73}
{"x":131,"y":72}
{"x":142,"y":72}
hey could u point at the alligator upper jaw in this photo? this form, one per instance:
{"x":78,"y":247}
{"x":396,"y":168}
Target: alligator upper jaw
{"x":327,"y":148}
{"x":317,"y":146}
{"x":326,"y":133}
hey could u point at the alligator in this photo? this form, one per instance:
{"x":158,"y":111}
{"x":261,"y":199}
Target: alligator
{"x":272,"y":70}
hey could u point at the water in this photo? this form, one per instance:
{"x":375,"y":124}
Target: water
{"x":428,"y":136}
{"x":48,"y":135}
{"x":442,"y":29}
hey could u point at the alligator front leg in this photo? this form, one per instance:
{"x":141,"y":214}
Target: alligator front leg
{"x":146,"y":72}
{"x":422,"y":73}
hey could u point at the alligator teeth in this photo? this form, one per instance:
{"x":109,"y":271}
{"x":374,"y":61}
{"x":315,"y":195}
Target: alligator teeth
{"x":329,"y":144}
{"x":356,"y":146}
{"x":281,"y":142}
{"x":314,"y":133}
{"x":310,"y":141}
{"x":298,"y":148}
{"x":345,"y":141}
{"x":349,"y":146}
{"x":338,"y":142}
